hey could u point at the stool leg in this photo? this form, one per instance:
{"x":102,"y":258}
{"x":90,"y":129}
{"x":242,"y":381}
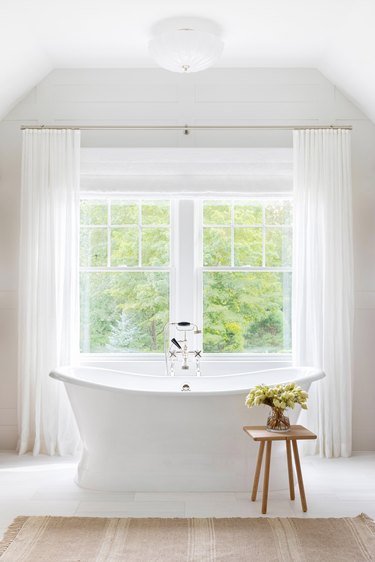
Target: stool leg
{"x":299,"y":475}
{"x":290,"y":469}
{"x":257,"y":471}
{"x":266,"y":477}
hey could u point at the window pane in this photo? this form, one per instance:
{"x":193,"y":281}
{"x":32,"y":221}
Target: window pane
{"x":155,"y":212}
{"x":247,"y":312}
{"x":124,"y":212}
{"x":123,"y":311}
{"x":155,"y":246}
{"x":216,"y":246}
{"x":248,"y":213}
{"x":217,"y":212}
{"x":93,"y":251}
{"x":278,"y":247}
{"x":124,"y":246}
{"x":248,"y":247}
{"x":279,"y":212}
{"x":93,"y":212}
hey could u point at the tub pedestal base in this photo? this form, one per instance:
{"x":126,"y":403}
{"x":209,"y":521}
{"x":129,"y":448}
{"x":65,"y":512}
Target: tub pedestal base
{"x":167,"y":475}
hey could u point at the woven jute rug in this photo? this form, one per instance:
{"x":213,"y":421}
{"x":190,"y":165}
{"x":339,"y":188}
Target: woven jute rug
{"x":88,"y":539}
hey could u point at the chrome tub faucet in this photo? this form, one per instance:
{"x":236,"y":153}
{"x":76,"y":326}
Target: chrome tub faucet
{"x":179,"y":346}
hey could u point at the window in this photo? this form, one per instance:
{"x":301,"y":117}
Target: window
{"x":247,"y":260}
{"x":125,"y":274}
{"x":222,"y":263}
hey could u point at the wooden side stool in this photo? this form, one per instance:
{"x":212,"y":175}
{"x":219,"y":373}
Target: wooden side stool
{"x":260,"y":433}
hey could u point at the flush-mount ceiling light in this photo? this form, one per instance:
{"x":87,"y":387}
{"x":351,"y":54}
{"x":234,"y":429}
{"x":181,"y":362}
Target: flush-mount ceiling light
{"x":187,"y":48}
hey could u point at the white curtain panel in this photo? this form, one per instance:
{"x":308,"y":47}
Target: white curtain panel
{"x":48,"y":288}
{"x":323,"y":281}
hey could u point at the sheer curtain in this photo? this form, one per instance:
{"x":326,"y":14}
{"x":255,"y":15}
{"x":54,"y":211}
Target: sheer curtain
{"x":323,"y":281}
{"x":48,"y":288}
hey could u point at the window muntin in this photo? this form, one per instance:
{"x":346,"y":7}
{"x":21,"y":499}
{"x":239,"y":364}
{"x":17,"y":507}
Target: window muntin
{"x":125,"y":258}
{"x":247,"y":265}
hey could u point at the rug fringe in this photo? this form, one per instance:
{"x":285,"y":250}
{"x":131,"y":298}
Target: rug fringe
{"x":370,"y":523}
{"x":12,"y":532}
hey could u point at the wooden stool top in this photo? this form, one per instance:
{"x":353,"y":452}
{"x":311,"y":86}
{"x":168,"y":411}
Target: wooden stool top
{"x":260,"y":433}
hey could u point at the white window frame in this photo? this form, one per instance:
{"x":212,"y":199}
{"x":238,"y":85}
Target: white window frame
{"x":186,"y":271}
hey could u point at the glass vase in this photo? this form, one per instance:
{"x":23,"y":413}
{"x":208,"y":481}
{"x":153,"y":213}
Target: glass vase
{"x":277,"y":421}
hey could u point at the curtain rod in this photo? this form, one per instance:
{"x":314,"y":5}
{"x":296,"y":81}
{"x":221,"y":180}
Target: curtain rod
{"x":185,"y":128}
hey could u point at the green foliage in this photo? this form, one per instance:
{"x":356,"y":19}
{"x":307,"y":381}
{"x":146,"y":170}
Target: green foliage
{"x":217,"y":212}
{"x":124,"y":212}
{"x":267,"y":332}
{"x":279,"y":247}
{"x":254,"y":302}
{"x":155,"y":242}
{"x":94,"y":212}
{"x":98,"y":311}
{"x":281,"y":396}
{"x":248,"y":213}
{"x":155,"y":212}
{"x":279,"y":212}
{"x":224,"y":337}
{"x":106,"y":297}
{"x":123,"y":334}
{"x":93,"y":250}
{"x":248,"y":247}
{"x":216,"y":246}
{"x":124,"y":246}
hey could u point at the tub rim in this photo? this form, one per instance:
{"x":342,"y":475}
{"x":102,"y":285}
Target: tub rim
{"x":61,"y":374}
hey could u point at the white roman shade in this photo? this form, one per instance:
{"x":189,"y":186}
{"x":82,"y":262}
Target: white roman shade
{"x":191,"y":171}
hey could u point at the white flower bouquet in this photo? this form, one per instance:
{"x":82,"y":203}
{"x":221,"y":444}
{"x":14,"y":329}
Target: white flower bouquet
{"x":279,"y":398}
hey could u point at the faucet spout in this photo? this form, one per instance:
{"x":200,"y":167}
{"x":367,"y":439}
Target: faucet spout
{"x":175,"y":342}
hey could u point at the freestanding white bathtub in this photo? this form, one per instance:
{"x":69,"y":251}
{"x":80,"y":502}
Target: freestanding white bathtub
{"x":144,"y":433}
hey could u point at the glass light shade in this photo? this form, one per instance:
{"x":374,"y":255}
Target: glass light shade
{"x":186,"y":50}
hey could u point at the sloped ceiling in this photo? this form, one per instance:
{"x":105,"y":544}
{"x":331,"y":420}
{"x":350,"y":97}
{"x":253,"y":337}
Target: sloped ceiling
{"x":335,"y":36}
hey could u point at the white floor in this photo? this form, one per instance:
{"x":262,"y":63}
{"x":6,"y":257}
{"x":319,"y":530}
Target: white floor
{"x":44,"y":486}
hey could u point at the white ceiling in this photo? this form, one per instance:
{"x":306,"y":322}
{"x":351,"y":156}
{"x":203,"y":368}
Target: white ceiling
{"x":335,"y":36}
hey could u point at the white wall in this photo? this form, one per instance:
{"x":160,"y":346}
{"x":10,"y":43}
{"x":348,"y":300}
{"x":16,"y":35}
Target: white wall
{"x":220,"y":96}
